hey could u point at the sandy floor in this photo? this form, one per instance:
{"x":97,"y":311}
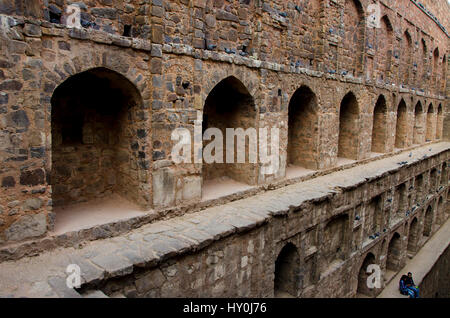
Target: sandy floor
{"x":220,"y":187}
{"x":295,"y":172}
{"x":343,"y":161}
{"x":100,"y":211}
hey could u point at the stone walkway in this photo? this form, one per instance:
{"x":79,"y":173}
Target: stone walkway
{"x":422,"y":262}
{"x":45,"y":274}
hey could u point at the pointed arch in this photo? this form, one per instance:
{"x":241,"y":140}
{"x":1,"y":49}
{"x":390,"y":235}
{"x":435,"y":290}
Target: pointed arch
{"x":435,"y":67}
{"x":413,"y":235}
{"x":230,"y":105}
{"x":444,"y":73}
{"x":439,"y":122}
{"x":428,"y":222}
{"x":430,"y":134}
{"x":423,"y":63}
{"x":440,"y":210}
{"x":419,"y":120}
{"x":353,"y":35}
{"x":348,"y":138}
{"x":407,"y":54}
{"x":363,"y":274}
{"x":384,"y":44}
{"x":394,"y":253}
{"x":287,"y":270}
{"x":379,"y":127}
{"x":401,"y":131}
{"x":95,"y":113}
{"x":303,"y":129}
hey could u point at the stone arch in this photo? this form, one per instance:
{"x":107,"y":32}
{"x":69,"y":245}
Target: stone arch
{"x":247,"y":82}
{"x":423,"y":61}
{"x":435,"y":66}
{"x":93,"y":60}
{"x":394,"y":253}
{"x":353,"y":37}
{"x":444,"y":72}
{"x":303,"y":130}
{"x":413,"y":235}
{"x":384,"y":43}
{"x":440,"y":210}
{"x":98,"y":139}
{"x":439,"y":122}
{"x":304,"y":13}
{"x":433,"y":184}
{"x":419,"y":187}
{"x":348,"y":139}
{"x":379,"y":127}
{"x":287,"y":272}
{"x":428,"y":222}
{"x":430,"y":123}
{"x":444,"y":175}
{"x":406,"y":61}
{"x":363,"y":275}
{"x":401,"y":131}
{"x":334,"y":240}
{"x":418,"y":133}
{"x":230,"y":105}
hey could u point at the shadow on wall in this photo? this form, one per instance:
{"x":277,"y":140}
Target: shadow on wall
{"x":97,"y":142}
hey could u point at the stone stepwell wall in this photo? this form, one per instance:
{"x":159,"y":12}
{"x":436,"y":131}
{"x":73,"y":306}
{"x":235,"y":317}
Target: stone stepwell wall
{"x":436,"y":284}
{"x":174,"y":56}
{"x":312,"y":238}
{"x":329,"y":245}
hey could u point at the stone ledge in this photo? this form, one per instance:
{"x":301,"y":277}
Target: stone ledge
{"x":73,"y":239}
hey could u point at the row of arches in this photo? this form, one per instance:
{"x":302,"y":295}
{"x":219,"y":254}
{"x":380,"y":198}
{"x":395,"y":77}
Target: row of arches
{"x":416,"y":231}
{"x":99,"y":114}
{"x":381,"y":40}
{"x":290,"y":273}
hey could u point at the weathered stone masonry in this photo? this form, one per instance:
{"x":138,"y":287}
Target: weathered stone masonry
{"x":85,"y":113}
{"x":309,"y":239}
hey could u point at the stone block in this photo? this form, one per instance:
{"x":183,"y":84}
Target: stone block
{"x":163,"y":187}
{"x":26,"y":227}
{"x":192,"y":188}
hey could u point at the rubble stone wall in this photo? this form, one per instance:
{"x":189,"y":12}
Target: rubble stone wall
{"x":325,"y":245}
{"x":174,"y":53}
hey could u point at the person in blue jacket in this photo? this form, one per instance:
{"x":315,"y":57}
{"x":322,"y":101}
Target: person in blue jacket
{"x":404,"y":290}
{"x":411,"y":286}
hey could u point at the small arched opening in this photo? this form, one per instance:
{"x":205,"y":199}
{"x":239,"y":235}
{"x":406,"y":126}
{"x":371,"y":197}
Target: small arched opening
{"x":379,"y":127}
{"x":348,"y":128}
{"x":287,"y":269}
{"x":418,"y":135}
{"x":364,"y":287}
{"x":394,"y":253}
{"x":430,"y":123}
{"x":99,"y":148}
